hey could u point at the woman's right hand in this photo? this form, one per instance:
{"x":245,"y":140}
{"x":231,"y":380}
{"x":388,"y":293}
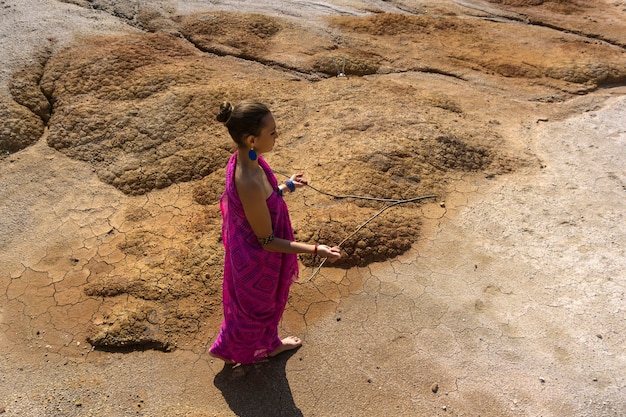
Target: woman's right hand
{"x":326,"y":251}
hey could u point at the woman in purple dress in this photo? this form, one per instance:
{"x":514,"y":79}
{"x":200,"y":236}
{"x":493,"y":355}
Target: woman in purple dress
{"x":260,"y":260}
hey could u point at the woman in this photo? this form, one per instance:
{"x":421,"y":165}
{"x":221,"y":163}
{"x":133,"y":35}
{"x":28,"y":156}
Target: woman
{"x":261,"y":255}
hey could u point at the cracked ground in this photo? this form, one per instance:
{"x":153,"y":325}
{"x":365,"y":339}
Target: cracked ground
{"x":501,"y":296}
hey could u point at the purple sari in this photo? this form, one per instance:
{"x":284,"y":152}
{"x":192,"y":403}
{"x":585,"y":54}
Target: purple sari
{"x":256,"y":281}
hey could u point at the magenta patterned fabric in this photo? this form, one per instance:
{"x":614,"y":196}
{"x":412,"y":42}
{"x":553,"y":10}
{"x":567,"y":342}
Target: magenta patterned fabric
{"x":256,"y":282}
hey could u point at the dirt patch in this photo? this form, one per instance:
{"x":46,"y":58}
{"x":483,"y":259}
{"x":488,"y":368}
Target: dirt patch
{"x":386,"y":24}
{"x":166,"y":279}
{"x":20,"y":127}
{"x":137,"y":109}
{"x":557,"y":6}
{"x":234,"y":34}
{"x":508,"y":48}
{"x":25,"y":90}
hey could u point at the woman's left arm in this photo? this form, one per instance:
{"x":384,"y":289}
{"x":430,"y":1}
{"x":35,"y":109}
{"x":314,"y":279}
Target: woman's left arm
{"x":294,"y":182}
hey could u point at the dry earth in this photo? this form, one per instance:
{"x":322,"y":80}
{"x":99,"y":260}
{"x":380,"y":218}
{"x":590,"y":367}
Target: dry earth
{"x":502,"y":295}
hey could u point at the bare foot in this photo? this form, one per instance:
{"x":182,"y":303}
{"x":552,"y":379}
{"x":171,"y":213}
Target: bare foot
{"x":289,"y":343}
{"x":228,"y":361}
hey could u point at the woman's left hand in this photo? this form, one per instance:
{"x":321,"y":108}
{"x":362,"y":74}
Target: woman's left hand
{"x":298,"y":180}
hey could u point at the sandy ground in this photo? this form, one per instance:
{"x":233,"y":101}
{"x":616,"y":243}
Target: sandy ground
{"x":511,"y":304}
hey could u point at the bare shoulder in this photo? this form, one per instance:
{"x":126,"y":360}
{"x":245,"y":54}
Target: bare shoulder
{"x":249,"y":190}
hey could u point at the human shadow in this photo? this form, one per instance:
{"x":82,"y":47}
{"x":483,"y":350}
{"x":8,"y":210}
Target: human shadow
{"x":259,"y":389}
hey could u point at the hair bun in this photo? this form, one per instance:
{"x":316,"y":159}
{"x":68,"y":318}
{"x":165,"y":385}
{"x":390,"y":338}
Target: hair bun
{"x":226,"y":109}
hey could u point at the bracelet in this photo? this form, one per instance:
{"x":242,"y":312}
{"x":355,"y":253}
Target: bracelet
{"x":315,"y":250}
{"x":266,"y":240}
{"x":291,"y":186}
{"x":280,"y":191}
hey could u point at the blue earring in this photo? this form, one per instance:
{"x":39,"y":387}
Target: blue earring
{"x":252,"y":155}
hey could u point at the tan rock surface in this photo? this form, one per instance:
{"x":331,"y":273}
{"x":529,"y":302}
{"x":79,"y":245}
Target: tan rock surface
{"x":506,"y":291}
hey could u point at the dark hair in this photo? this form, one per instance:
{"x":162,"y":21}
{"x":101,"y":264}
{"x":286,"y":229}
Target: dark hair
{"x":243,"y":119}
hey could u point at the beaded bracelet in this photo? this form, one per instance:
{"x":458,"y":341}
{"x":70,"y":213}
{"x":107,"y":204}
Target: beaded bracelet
{"x":290,"y":185}
{"x":266,"y":240}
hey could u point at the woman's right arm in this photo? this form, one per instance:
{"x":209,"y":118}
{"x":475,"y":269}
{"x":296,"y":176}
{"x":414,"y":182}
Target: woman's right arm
{"x":254,"y":206}
{"x":287,"y":246}
{"x":258,"y":215}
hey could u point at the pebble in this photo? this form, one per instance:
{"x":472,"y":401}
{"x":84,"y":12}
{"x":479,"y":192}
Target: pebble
{"x":434,"y":387}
